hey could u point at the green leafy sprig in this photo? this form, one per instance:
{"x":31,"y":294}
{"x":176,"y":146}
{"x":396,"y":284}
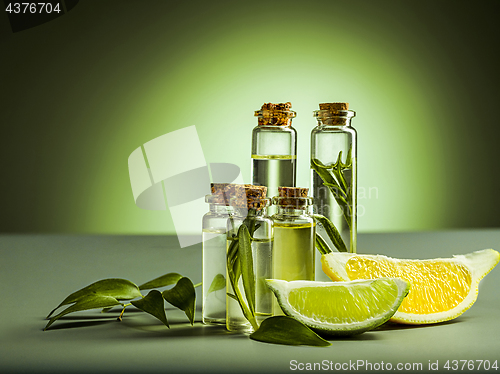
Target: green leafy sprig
{"x":108,"y":293}
{"x":333,"y":177}
{"x":332,"y":233}
{"x":240,"y":264}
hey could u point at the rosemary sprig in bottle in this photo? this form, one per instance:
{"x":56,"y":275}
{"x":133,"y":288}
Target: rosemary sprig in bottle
{"x":333,"y":177}
{"x":240,"y":264}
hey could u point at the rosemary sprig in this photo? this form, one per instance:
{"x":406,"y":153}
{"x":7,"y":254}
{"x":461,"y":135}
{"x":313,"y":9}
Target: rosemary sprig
{"x":240,"y":264}
{"x":333,"y":177}
{"x":322,"y":245}
{"x":332,"y":233}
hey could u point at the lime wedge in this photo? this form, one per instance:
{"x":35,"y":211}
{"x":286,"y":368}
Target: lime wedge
{"x":341,"y":308}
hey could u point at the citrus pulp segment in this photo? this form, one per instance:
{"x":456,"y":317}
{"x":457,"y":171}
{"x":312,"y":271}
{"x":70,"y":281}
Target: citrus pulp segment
{"x":441,"y":288}
{"x":340,"y":308}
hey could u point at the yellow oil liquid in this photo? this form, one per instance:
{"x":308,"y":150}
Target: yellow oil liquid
{"x":273,"y":171}
{"x":293,"y":254}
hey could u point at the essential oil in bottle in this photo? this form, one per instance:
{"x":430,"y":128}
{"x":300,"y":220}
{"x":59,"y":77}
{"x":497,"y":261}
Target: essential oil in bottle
{"x":274,"y":148}
{"x":334,"y":175}
{"x":294,"y":237}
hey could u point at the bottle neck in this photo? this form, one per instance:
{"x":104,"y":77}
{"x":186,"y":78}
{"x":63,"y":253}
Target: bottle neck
{"x":221,"y":209}
{"x":289,"y":211}
{"x":244,"y":212}
{"x":334,"y":122}
{"x":334,"y":118}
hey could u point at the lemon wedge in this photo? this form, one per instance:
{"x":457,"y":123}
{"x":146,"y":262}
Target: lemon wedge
{"x":441,"y":288}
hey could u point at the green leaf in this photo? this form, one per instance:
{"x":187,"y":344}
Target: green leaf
{"x":251,"y":223}
{"x":333,"y":185}
{"x":321,"y":245}
{"x":338,"y":192}
{"x":348,"y":159}
{"x":218,"y":283}
{"x":318,"y":164}
{"x":332,"y":232}
{"x":233,"y":263}
{"x":182,"y":296}
{"x":246,"y":263}
{"x":85,"y":303}
{"x":339,"y":160}
{"x":164,"y":280}
{"x":153,"y":304}
{"x":288,"y":331}
{"x":120,"y":289}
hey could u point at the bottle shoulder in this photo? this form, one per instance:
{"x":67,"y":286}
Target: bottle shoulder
{"x":293,"y":220}
{"x":318,"y":130}
{"x":274,"y":129}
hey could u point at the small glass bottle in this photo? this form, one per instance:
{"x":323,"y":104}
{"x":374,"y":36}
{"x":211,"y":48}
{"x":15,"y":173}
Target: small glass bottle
{"x":214,"y":255}
{"x":333,"y":173}
{"x":294,"y":237}
{"x":250,"y":208}
{"x":274,"y":148}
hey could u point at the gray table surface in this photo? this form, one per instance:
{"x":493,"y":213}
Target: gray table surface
{"x":38,"y":271}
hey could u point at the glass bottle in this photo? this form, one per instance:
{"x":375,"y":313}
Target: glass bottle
{"x":274,"y":148}
{"x":250,"y":208}
{"x":333,"y":161}
{"x":294,"y":237}
{"x":214,"y":255}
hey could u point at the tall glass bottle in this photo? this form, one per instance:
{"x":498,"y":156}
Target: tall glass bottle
{"x":250,"y":208}
{"x":294,"y":237}
{"x":214,"y":255}
{"x":333,"y":173}
{"x":274,"y":148}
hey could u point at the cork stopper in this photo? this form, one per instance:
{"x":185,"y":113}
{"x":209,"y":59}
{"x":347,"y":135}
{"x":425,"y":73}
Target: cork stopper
{"x":334,"y":114}
{"x":277,"y":107}
{"x":219,"y":194}
{"x":334,"y":107}
{"x":248,"y":196}
{"x":275,"y":114}
{"x":294,"y":197}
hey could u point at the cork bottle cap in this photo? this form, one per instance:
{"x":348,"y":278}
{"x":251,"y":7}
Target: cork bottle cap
{"x":220,"y":193}
{"x":275,"y":114}
{"x":277,"y":107}
{"x":292,"y":197}
{"x":334,"y":114}
{"x":334,"y":107}
{"x":249,"y":196}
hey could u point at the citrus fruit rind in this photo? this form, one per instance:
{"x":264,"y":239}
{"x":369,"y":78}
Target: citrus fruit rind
{"x":441,"y":288}
{"x":340,"y":308}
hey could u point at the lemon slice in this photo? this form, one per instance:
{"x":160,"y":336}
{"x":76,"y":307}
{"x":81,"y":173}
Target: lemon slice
{"x":441,"y":288}
{"x":340,"y":308}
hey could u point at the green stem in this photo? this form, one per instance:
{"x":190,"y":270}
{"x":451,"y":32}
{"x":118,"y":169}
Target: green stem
{"x":244,"y":308}
{"x":123,"y":311}
{"x":197,"y":284}
{"x":233,"y":279}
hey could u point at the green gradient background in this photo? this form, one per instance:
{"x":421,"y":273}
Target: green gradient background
{"x":80,"y":93}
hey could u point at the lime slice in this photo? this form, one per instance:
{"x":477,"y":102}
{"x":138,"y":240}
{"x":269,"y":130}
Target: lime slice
{"x":341,"y":308}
